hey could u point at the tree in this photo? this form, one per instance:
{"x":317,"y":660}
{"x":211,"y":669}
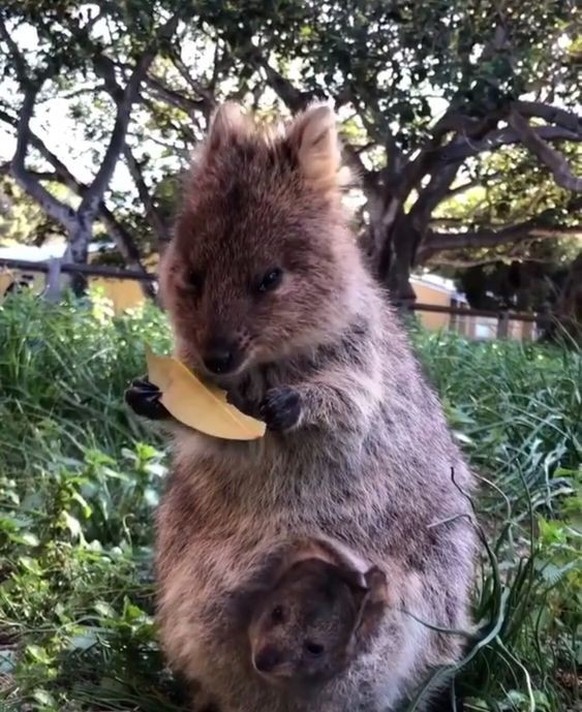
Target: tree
{"x":570,"y":303}
{"x":22,"y":220}
{"x":455,"y":114}
{"x":66,"y":45}
{"x":436,"y":87}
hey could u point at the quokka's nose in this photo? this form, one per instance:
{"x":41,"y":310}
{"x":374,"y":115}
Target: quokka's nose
{"x":267,"y":659}
{"x":221,"y":358}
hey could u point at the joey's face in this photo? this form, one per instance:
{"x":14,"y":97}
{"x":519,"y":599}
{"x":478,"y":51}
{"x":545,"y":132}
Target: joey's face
{"x":258,"y":267}
{"x":302,"y":632}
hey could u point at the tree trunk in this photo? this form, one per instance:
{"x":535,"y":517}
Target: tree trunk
{"x":395,"y":260}
{"x":79,"y":240}
{"x":569,"y":306}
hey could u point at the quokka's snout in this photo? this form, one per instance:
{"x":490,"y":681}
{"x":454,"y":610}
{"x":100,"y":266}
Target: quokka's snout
{"x":223,"y":355}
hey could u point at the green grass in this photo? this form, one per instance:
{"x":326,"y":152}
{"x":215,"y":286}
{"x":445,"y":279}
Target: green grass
{"x":80,"y":479}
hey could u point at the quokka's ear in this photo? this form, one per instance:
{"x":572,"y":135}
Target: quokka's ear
{"x":227,"y":125}
{"x":314,"y":139}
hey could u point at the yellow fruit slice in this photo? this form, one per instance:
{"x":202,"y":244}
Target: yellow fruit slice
{"x":203,"y":408}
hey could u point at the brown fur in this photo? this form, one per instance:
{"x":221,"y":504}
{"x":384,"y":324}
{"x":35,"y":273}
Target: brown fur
{"x":368,"y":459}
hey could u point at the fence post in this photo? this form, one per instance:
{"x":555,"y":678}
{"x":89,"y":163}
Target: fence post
{"x":544,"y":324}
{"x":503,"y":325}
{"x":52,"y":290}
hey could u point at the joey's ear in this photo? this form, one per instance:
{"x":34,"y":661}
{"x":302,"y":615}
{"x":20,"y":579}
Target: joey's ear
{"x":378,"y":585}
{"x":355,"y":579}
{"x":346,"y":562}
{"x":313,"y":138}
{"x":372,"y":606}
{"x":228,"y":124}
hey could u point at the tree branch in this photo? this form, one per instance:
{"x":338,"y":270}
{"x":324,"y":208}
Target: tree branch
{"x":462,"y":147}
{"x":208,"y":100}
{"x":104,"y":68}
{"x":174,"y":98}
{"x":551,"y":158}
{"x":293,"y":98}
{"x":91,"y":199}
{"x":22,"y":71}
{"x":144,"y":195}
{"x":429,"y":160}
{"x":530,"y":229}
{"x":123,"y":239}
{"x":90,"y":202}
{"x":57,"y":210}
{"x":433,"y":194}
{"x":41,"y":147}
{"x":183,"y":129}
{"x":550,"y":114}
{"x":443,"y":261}
{"x":447,"y":222}
{"x":482,"y":181}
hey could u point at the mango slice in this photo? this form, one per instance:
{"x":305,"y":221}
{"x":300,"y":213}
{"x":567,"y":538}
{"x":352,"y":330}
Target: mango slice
{"x":203,"y":408}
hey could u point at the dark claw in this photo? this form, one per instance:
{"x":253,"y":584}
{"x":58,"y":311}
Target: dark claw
{"x":281,"y":409}
{"x":144,"y":399}
{"x":245,"y":406}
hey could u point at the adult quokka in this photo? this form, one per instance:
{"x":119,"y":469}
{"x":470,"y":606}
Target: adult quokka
{"x":269,"y":298}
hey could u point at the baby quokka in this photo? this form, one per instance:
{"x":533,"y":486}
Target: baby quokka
{"x":317,"y":617}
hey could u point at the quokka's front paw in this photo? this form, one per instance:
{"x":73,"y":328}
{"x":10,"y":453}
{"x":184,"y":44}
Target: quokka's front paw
{"x":143,"y":397}
{"x":281,"y":409}
{"x":246,"y":406}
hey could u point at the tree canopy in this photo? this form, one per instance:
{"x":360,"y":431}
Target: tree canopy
{"x":461,"y":117}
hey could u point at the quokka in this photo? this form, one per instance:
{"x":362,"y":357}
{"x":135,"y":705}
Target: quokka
{"x":269,"y":298}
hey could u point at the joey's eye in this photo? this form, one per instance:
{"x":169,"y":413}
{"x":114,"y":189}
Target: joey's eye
{"x":278,"y":614}
{"x":271,"y":280}
{"x":314,"y":649}
{"x":194,"y":280}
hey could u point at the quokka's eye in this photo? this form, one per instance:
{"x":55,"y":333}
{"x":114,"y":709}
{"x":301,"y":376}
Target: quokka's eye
{"x":270,"y":280}
{"x":315,"y":649}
